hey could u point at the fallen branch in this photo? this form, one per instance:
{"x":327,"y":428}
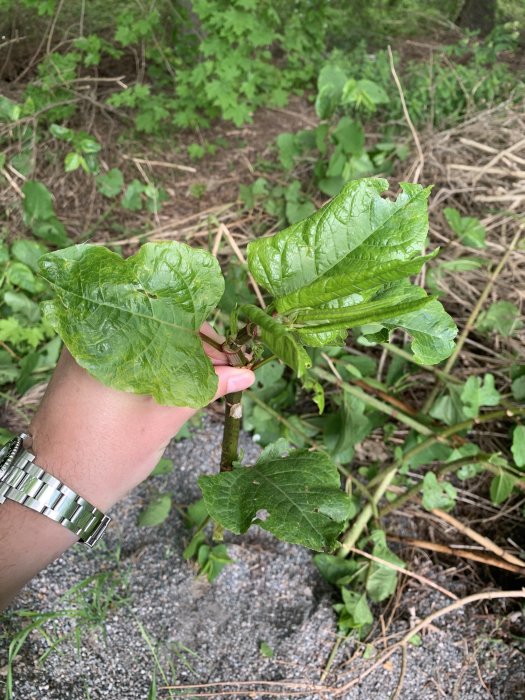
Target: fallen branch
{"x":458,"y":552}
{"x":476,"y":597}
{"x":406,"y":572}
{"x":476,"y":537}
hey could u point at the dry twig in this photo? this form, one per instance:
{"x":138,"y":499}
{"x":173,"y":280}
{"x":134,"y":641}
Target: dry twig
{"x":420,"y":162}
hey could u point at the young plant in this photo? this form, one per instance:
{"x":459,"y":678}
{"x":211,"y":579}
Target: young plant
{"x":345,"y":266}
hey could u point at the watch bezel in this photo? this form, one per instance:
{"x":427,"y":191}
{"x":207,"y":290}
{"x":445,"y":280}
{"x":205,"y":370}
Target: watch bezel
{"x":9,"y":451}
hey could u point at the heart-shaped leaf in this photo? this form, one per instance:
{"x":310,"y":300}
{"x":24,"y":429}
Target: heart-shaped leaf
{"x":134,"y":324}
{"x":296,"y":497}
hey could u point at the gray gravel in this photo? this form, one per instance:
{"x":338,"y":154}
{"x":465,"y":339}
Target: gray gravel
{"x":202,"y":633}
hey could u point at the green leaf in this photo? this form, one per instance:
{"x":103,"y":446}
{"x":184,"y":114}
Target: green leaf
{"x":503,"y":317}
{"x":38,"y":202}
{"x":287,"y":150}
{"x":346,"y":428}
{"x":432,"y":330}
{"x":110,"y":184}
{"x":39,"y":214}
{"x":266,"y":650}
{"x":438,"y":494}
{"x":279,"y":339}
{"x":212,"y":560}
{"x":402,"y":301}
{"x":8,"y":369}
{"x":297,"y":210}
{"x":518,"y":388}
{"x":154,"y":198}
{"x":311,"y":384}
{"x":381,"y":581}
{"x":330,"y":84}
{"x":12,"y":331}
{"x":469,"y":230}
{"x":296,"y":497}
{"x":61,"y":132}
{"x":9,"y":111}
{"x":449,"y":409}
{"x":325,"y":253}
{"x":4,"y":253}
{"x":132,"y":199}
{"x":72,"y":161}
{"x":27,"y":365}
{"x":469,"y":470}
{"x":196,"y":513}
{"x":518,"y":445}
{"x":88,"y":145}
{"x":350,"y":135}
{"x":20,"y":275}
{"x":364,"y":93}
{"x":336,"y":570}
{"x":356,"y":613}
{"x":20,"y":303}
{"x":192,"y":548}
{"x":48,"y":354}
{"x":156,"y":512}
{"x":134,"y":324}
{"x":52,"y":230}
{"x":164,"y":466}
{"x":501,"y":487}
{"x":349,"y":253}
{"x":479,"y":392}
{"x":28,"y":252}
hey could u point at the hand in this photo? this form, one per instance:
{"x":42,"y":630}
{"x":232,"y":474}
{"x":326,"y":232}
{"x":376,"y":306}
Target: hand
{"x":103,"y":442}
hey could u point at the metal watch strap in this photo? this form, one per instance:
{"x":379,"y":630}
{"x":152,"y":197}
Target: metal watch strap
{"x":23,"y":481}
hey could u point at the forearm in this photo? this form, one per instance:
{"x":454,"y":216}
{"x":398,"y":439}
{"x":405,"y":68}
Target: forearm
{"x":93,"y":440}
{"x":98,"y":441}
{"x":20,"y":557}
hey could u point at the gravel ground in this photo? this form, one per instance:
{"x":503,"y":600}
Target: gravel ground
{"x":153,"y":616}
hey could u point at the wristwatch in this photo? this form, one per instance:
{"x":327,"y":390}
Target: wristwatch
{"x":23,"y":481}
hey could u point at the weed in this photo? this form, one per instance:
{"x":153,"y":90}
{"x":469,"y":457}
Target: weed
{"x":89,"y":604}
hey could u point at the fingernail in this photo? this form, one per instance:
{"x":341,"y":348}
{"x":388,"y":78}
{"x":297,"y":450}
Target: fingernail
{"x":242,"y":379}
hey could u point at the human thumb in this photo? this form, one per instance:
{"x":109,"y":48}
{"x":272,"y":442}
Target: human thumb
{"x":232,"y":379}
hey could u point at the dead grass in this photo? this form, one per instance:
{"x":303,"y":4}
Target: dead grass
{"x":479,"y":168}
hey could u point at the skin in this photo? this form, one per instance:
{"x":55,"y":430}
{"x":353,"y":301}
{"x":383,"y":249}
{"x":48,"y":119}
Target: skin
{"x":99,"y":441}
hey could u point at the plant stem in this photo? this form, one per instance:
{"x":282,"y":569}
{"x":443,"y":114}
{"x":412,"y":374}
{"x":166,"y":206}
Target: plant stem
{"x":234,"y":351}
{"x":386,"y":479}
{"x":209,"y":341}
{"x":264,"y":361}
{"x":445,"y":469}
{"x":232,"y":428}
{"x":351,"y":537}
{"x":375,"y":403}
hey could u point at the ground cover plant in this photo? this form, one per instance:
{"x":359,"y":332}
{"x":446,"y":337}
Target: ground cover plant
{"x":388,"y":425}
